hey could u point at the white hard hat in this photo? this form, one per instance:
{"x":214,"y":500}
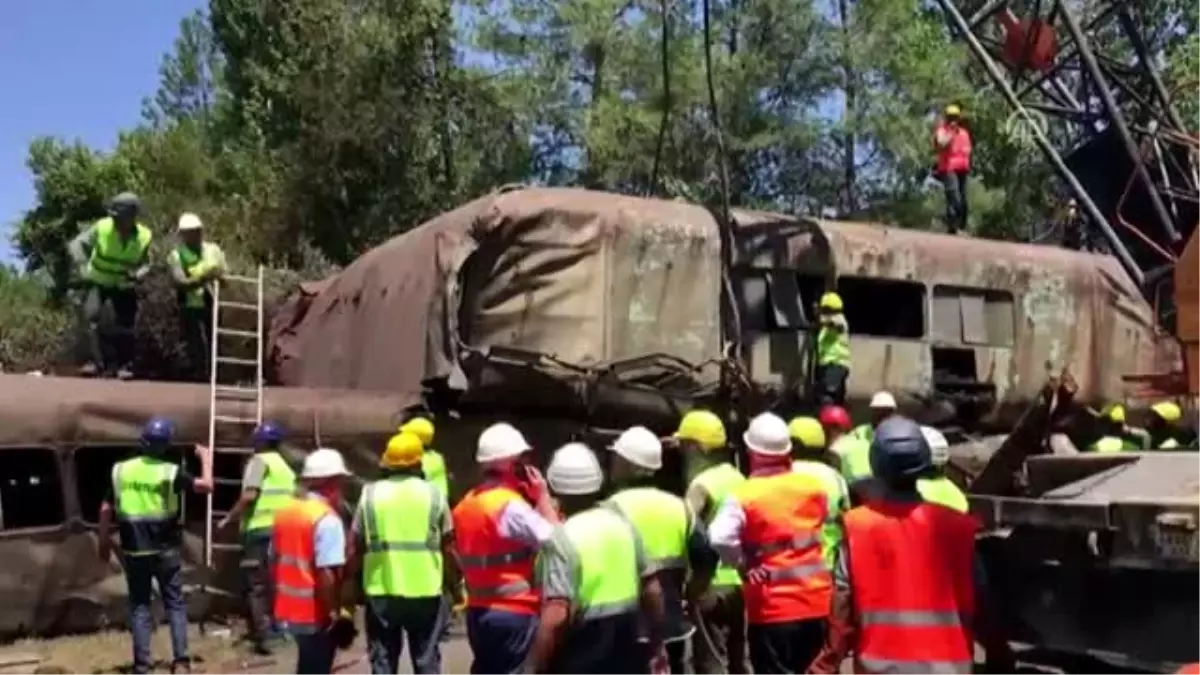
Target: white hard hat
{"x":883,"y":400}
{"x":324,"y":463}
{"x":574,"y":470}
{"x":768,"y":435}
{"x":640,"y":446}
{"x":939,"y":447}
{"x":189,"y":221}
{"x":500,"y":441}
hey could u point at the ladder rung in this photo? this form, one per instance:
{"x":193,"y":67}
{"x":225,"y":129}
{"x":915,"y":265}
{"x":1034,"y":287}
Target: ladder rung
{"x":226,"y":481}
{"x":230,"y":419}
{"x":237,"y":332}
{"x":234,"y":451}
{"x":235,"y":390}
{"x":237,"y":361}
{"x":240,"y":278}
{"x":234,"y":304}
{"x":218,"y":546}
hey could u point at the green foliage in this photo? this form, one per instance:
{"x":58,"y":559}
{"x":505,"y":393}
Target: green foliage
{"x":31,"y":330}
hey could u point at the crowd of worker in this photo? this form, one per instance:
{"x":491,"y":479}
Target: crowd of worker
{"x":113,"y":254}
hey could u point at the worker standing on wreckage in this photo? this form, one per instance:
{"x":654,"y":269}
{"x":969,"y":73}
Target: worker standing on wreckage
{"x":144,"y":498}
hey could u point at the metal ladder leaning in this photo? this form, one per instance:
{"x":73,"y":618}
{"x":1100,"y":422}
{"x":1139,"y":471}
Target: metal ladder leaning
{"x":228,"y":399}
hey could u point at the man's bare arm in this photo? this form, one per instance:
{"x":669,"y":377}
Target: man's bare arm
{"x":552,"y":624}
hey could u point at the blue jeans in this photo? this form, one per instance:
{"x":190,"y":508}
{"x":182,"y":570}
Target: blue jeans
{"x":314,"y":653}
{"x":140,"y":572}
{"x":499,"y":640}
{"x":392,"y":619}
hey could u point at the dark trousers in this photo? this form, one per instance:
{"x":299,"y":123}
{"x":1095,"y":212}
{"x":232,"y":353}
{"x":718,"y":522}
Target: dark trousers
{"x":140,"y":573}
{"x":315,"y":653}
{"x":257,"y":587}
{"x":500,"y":641}
{"x":786,"y":647}
{"x":114,"y":348}
{"x":719,"y":643}
{"x":831,"y":383}
{"x":196,"y":328}
{"x":392,"y":620}
{"x":954,"y":184}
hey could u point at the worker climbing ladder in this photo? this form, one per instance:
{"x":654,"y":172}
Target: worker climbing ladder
{"x":236,"y":389}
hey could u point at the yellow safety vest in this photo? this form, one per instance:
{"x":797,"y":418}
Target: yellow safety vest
{"x":718,"y":481}
{"x":606,"y":547}
{"x":833,"y":346}
{"x":856,"y":458}
{"x":400,"y":519}
{"x":661,"y":520}
{"x":1108,"y":444}
{"x":277,"y":489}
{"x":433,"y":465}
{"x":113,"y":258}
{"x":943,"y":491}
{"x":194,"y":264}
{"x":835,"y":491}
{"x":144,"y":490}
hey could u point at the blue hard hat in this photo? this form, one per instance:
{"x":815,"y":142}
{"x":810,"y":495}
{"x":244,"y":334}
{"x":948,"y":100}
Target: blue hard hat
{"x":899,"y":450}
{"x":268,"y":433}
{"x":158,"y":431}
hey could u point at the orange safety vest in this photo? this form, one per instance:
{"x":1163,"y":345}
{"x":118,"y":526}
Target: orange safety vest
{"x":498,"y":571}
{"x":784,"y":516}
{"x":955,"y":155}
{"x":292,"y":541}
{"x":911,"y":571}
{"x":1190,"y":668}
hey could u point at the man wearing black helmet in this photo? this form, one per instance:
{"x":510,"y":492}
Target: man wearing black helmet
{"x":268,"y":483}
{"x":908,"y":590}
{"x":144,"y":498}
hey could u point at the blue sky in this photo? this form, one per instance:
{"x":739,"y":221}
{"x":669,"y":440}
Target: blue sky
{"x":76,"y":69}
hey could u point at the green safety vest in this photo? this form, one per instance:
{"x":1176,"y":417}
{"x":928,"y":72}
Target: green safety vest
{"x":835,"y":492}
{"x":718,"y":481}
{"x":113,"y":258}
{"x":400,"y":521}
{"x":277,"y":489}
{"x":1108,"y":444}
{"x":605,"y":548}
{"x":433,"y":465}
{"x":863,"y":432}
{"x":833,"y":347}
{"x":661,"y":520}
{"x":193,"y":265}
{"x":856,"y":458}
{"x":943,"y":491}
{"x":144,"y":490}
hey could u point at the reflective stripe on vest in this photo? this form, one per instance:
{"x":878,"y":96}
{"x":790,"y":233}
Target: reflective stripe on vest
{"x":433,"y":465}
{"x":112,"y":257}
{"x":605,"y":544}
{"x":833,"y":345}
{"x":836,"y":492}
{"x":294,"y":550}
{"x":497,"y":571}
{"x":784,"y":516}
{"x":400,"y":523}
{"x":718,"y":481}
{"x":276,"y":490}
{"x":144,"y":490}
{"x":943,"y":491}
{"x":917,"y":626}
{"x":661,"y":520}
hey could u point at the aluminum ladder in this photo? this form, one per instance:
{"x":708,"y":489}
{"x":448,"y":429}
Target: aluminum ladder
{"x":230,"y":370}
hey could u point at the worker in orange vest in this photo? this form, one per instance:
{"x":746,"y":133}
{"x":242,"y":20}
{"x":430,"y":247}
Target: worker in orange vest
{"x":952,"y":144}
{"x":499,"y":526}
{"x":907,"y":596}
{"x":308,"y":542}
{"x":769,"y":527}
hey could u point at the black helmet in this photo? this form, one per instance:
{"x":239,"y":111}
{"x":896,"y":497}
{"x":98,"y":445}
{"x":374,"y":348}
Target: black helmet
{"x":899,"y":450}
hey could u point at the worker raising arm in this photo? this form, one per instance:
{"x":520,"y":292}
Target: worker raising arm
{"x":952,"y":145}
{"x":833,"y":350}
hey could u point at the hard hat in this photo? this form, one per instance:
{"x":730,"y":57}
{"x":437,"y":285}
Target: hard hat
{"x":640,"y":446}
{"x":574,"y":470}
{"x":899,"y":450}
{"x":189,"y":222}
{"x":324,"y":463}
{"x":808,"y":432}
{"x":704,"y":428}
{"x":768,"y":435}
{"x":1115,"y":413}
{"x":268,"y":433}
{"x":883,"y":400}
{"x":835,"y":417}
{"x":124,"y":203}
{"x":1168,"y":411}
{"x":404,"y":449}
{"x":939,"y":447}
{"x":158,"y":431}
{"x":421,"y":427}
{"x":832,"y":302}
{"x":953,"y":110}
{"x":500,"y":441}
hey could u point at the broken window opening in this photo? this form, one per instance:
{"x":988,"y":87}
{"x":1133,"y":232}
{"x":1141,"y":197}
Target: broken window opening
{"x":973,"y":316}
{"x":778,"y":300}
{"x":31,"y":489}
{"x":887,"y":308}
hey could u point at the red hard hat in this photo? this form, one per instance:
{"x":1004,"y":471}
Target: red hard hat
{"x":835,"y":416}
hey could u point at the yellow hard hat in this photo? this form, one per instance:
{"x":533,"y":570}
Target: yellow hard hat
{"x":704,"y":428}
{"x":420,"y":427}
{"x":1115,"y":413}
{"x":1168,"y":411}
{"x":807,"y":431}
{"x":953,"y":110}
{"x":404,"y":449}
{"x":832,"y":302}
